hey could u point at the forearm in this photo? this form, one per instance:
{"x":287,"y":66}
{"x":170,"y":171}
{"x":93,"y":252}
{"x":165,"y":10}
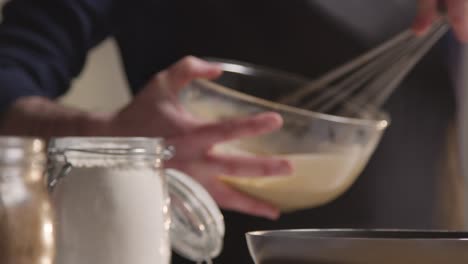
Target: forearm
{"x":43,"y":47}
{"x":41,"y":117}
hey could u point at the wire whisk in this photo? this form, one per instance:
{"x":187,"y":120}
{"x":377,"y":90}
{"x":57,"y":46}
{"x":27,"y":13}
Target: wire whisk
{"x":365,"y":83}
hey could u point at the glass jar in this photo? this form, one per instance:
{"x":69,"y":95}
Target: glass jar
{"x":26,"y":219}
{"x":116,"y":204}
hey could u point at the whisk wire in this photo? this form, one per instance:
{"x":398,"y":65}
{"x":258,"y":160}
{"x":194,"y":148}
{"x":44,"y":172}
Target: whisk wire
{"x":380,"y":89}
{"x":367,"y":81}
{"x":354,"y":82}
{"x":349,"y":66}
{"x":410,"y":63}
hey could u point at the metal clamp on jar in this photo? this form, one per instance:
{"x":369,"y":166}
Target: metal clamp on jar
{"x":112,"y":201}
{"x":26,"y":224}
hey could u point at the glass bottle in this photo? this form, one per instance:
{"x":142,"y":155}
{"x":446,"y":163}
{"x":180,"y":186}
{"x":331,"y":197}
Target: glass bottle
{"x":26,"y":218}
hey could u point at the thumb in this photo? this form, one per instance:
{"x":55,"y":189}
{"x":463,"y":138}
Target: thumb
{"x":188,"y":69}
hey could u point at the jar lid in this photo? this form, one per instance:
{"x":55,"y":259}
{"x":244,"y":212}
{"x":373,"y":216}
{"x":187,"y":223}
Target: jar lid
{"x":197,"y":224}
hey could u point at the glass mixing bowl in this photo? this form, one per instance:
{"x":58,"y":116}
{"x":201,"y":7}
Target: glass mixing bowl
{"x":327,"y":152}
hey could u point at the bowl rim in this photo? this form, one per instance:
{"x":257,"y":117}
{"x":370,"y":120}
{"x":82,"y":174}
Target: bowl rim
{"x":380,"y":123}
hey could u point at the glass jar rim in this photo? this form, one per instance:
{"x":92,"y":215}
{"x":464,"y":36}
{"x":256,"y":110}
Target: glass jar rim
{"x":112,"y":146}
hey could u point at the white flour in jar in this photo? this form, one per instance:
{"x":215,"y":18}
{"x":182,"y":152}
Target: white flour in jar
{"x":112,"y":215}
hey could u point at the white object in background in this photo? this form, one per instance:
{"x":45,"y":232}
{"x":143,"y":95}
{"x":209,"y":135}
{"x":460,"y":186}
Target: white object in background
{"x":102,"y":85}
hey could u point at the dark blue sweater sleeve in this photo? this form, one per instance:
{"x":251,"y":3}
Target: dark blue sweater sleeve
{"x":43,"y":44}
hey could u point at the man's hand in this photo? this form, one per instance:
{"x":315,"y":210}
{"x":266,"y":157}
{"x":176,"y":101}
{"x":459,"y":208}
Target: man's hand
{"x":156,"y":111}
{"x":457,"y":13}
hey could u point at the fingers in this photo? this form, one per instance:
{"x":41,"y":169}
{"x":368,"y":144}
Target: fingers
{"x":457,"y":13}
{"x":427,"y":13}
{"x":224,"y":195}
{"x":217,"y":165}
{"x":208,"y":135}
{"x":247,"y":166}
{"x":167,"y":83}
{"x":190,"y":68}
{"x":458,"y":16}
{"x":230,"y":199}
